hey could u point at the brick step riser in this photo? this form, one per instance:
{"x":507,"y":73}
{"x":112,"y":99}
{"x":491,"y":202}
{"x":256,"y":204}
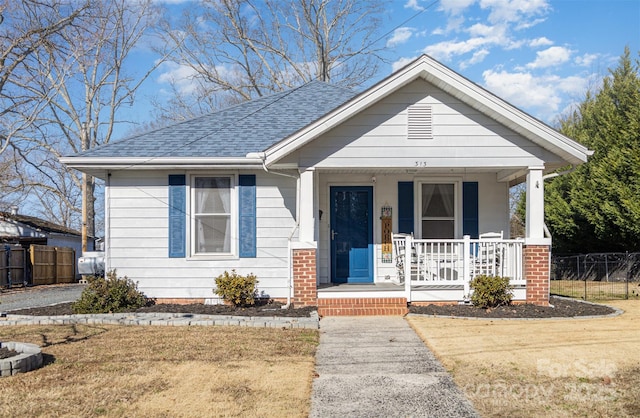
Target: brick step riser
{"x":362,"y":307}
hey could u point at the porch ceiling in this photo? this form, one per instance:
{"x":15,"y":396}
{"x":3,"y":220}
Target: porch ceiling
{"x":512,"y":175}
{"x":418,"y":171}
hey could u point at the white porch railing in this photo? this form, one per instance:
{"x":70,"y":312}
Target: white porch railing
{"x":456,"y":262}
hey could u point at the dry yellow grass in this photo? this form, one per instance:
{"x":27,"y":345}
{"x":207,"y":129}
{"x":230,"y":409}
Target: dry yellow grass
{"x":116,"y":371}
{"x":559,"y":368}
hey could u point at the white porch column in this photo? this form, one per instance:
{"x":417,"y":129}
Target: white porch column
{"x":534,"y":226}
{"x":307,"y":211}
{"x":534,"y":222}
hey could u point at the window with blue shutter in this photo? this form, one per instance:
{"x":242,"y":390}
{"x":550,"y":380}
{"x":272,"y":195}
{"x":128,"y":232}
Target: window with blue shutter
{"x":405,"y":207}
{"x":247,"y":212}
{"x":470,"y":208}
{"x":177,"y":215}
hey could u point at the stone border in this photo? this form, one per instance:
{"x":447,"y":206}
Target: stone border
{"x":30,"y":358}
{"x":167,"y":319}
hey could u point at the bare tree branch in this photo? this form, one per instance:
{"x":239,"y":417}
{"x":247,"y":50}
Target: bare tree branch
{"x":236,"y":50}
{"x":78,"y":77}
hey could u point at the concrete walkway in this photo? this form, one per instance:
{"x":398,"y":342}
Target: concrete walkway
{"x":379,"y":367}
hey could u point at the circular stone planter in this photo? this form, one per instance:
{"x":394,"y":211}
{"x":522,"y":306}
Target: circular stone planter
{"x":29,"y":358}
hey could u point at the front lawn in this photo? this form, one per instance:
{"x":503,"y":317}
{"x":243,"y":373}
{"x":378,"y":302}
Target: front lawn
{"x":527,"y":368}
{"x":118,"y":371}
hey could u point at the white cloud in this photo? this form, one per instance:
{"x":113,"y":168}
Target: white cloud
{"x":477,"y":57}
{"x":514,"y":10}
{"x":483,"y":37}
{"x":480,"y":29}
{"x":400,"y":36}
{"x":401,"y":63}
{"x":529,"y":23}
{"x":181,"y":76}
{"x":444,"y":51}
{"x":543,"y":41}
{"x":185,"y":79}
{"x":454,"y":7}
{"x":502,"y":19}
{"x":413,"y":4}
{"x":541,"y":95}
{"x":586,"y":60}
{"x":550,"y":57}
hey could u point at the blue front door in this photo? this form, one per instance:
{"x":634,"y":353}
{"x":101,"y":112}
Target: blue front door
{"x":351,"y":234}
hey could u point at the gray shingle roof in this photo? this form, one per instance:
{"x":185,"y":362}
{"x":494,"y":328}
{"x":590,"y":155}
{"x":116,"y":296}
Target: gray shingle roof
{"x":252,"y":126}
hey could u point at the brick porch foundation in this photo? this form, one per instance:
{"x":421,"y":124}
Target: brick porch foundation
{"x":536,"y":272}
{"x":305,"y":289}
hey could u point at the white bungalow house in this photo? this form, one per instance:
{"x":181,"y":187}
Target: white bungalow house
{"x":319,"y":191}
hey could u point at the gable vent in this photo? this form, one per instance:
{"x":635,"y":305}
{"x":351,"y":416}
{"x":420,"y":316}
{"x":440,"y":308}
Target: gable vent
{"x":419,"y":122}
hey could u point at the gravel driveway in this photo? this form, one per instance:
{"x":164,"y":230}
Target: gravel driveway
{"x":33,"y":297}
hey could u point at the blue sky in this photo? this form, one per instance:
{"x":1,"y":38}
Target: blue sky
{"x":540,"y":55}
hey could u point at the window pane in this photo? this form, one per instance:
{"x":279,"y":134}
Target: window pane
{"x":438,"y":229}
{"x":212,"y":234}
{"x":212,"y":195}
{"x":437,"y":200}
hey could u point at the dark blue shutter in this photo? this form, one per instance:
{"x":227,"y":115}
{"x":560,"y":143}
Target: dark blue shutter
{"x":405,"y":207}
{"x":470,"y":208}
{"x":247,"y":218}
{"x":177,"y":215}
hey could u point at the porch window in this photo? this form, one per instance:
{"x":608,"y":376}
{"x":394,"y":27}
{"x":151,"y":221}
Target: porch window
{"x":438,"y":211}
{"x":211,"y":208}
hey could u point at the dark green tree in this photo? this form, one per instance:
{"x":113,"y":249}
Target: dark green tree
{"x":596,"y":208}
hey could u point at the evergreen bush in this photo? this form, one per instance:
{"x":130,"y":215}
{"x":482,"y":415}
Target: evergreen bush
{"x":110,"y":294}
{"x":490,"y":291}
{"x":236,"y":289}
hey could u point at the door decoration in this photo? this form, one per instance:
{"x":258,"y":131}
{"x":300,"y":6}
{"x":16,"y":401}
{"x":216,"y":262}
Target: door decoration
{"x":387,"y":244}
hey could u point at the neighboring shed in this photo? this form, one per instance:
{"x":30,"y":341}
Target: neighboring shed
{"x":23,"y":230}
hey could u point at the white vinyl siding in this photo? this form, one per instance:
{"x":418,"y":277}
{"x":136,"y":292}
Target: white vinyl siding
{"x":138,"y":240}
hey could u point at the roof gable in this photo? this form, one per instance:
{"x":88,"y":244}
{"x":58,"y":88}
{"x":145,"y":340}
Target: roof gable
{"x":458,"y":137}
{"x":452,"y":83}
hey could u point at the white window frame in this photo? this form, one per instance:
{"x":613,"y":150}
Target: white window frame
{"x":457,"y":202}
{"x":233,"y":217}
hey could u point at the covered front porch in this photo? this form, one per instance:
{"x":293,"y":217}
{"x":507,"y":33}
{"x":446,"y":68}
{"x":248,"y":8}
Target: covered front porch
{"x":372,"y":252}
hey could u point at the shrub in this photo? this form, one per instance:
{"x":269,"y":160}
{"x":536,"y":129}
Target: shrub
{"x":236,"y":289}
{"x":490,"y":291}
{"x":109,"y":294}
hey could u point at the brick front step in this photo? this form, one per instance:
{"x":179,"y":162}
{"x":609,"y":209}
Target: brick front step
{"x":362,"y":306}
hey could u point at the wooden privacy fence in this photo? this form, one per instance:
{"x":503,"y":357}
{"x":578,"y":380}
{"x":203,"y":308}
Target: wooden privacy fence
{"x":50,"y":265}
{"x":12,"y":266}
{"x":43,"y":265}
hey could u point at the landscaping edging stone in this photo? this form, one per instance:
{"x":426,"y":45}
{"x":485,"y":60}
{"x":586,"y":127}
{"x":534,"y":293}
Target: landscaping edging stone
{"x":29,"y":358}
{"x":311,"y":322}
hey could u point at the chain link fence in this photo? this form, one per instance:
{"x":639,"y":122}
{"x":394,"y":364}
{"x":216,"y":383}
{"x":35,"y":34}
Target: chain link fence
{"x":596,"y":276}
